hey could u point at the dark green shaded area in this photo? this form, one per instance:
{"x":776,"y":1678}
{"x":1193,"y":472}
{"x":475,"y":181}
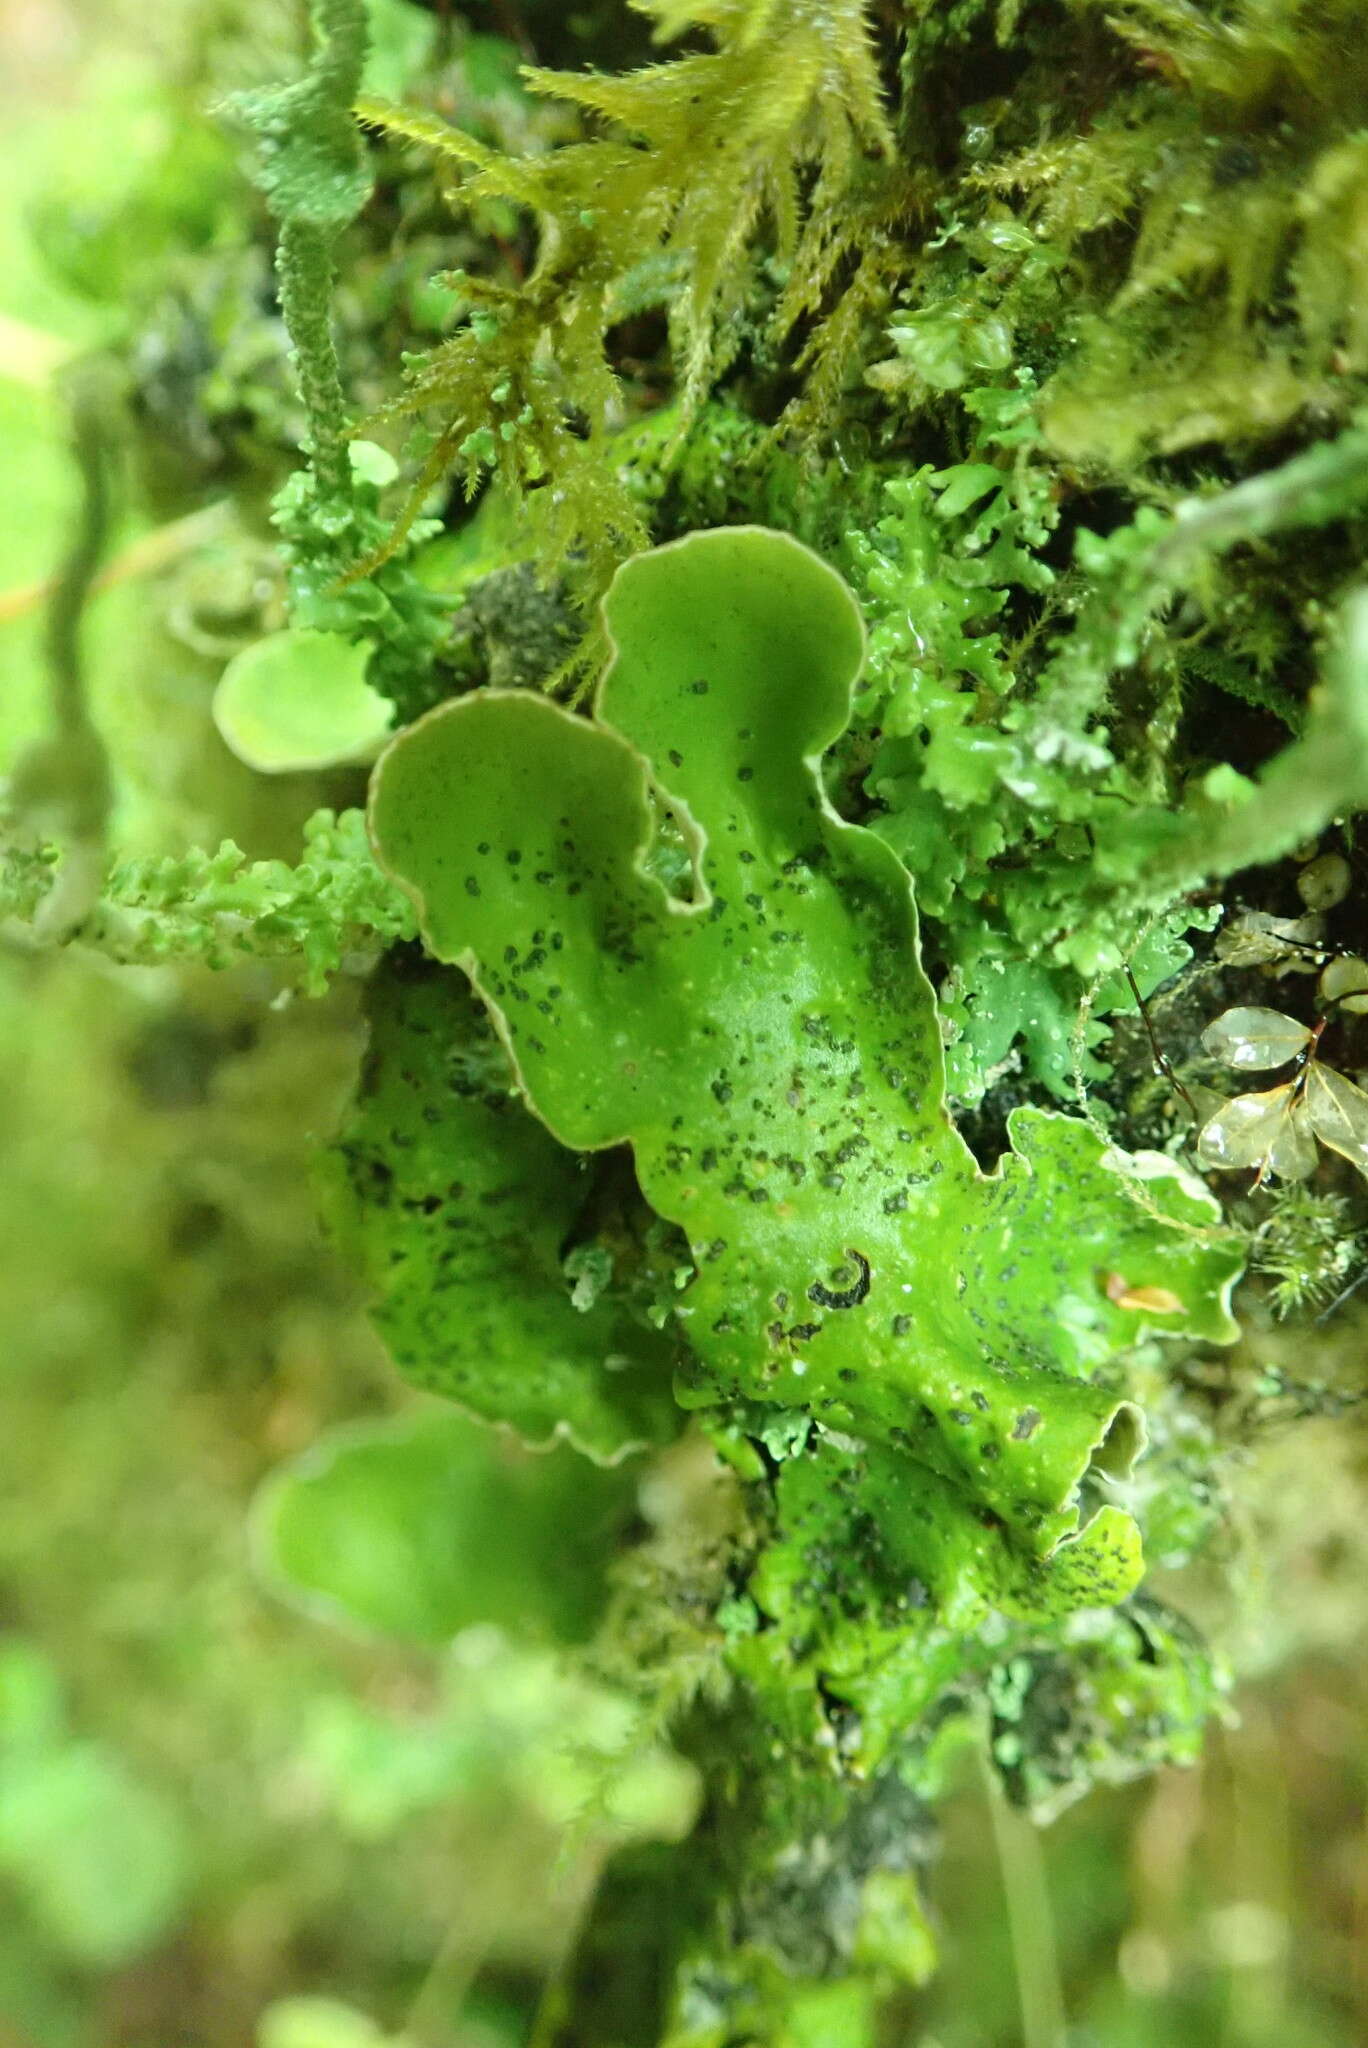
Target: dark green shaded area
{"x":457,"y":1207}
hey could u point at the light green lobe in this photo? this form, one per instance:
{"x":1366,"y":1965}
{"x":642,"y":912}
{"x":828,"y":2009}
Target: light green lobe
{"x":770,"y":1046}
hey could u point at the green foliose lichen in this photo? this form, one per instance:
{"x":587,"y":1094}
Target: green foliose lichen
{"x":767,"y":1043}
{"x":456,"y":1206}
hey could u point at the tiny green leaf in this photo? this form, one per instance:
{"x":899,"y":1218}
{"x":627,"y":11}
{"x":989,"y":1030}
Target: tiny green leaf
{"x":1324,"y":883}
{"x":1345,"y":984}
{"x":1269,"y":1132}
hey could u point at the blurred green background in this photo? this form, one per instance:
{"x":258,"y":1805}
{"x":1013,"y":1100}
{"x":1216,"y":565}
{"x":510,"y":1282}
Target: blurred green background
{"x":229,"y":1818}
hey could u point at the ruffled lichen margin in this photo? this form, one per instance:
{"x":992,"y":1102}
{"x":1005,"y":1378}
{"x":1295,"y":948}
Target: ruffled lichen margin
{"x":763,"y":1036}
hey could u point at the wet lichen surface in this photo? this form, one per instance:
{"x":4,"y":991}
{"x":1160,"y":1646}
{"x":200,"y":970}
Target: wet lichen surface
{"x":769,"y":1047}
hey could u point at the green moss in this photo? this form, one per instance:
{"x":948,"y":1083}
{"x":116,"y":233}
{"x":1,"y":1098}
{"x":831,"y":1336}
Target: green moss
{"x":1235,"y":143}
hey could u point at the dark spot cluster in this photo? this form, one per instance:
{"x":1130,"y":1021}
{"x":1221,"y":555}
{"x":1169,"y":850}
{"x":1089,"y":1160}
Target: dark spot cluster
{"x":847,"y":1297}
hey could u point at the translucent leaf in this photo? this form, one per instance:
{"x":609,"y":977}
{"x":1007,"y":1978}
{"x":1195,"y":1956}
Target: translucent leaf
{"x":1339,"y":1113}
{"x":1345,"y":983}
{"x":1255,"y":939}
{"x":1255,"y":1039}
{"x":1269,"y":1132}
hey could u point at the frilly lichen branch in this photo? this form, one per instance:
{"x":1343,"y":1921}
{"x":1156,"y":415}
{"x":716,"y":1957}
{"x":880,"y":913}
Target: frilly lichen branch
{"x":219,"y":909}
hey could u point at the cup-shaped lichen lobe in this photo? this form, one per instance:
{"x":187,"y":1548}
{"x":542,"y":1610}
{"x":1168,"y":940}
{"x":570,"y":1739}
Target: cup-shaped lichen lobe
{"x":735,"y":654}
{"x":516,"y":827}
{"x":456,"y":1205}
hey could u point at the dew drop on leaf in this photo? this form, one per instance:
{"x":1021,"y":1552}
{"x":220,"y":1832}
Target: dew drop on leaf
{"x":1255,"y":1039}
{"x":1270,"y":1131}
{"x":1255,"y":939}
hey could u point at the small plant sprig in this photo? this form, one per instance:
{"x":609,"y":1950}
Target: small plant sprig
{"x":313,"y":171}
{"x":1275,"y":1131}
{"x":782,"y":123}
{"x":220,"y":909}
